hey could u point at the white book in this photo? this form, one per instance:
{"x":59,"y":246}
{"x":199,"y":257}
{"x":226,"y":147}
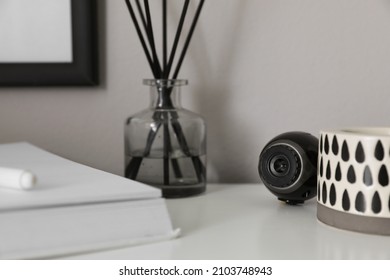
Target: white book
{"x":74,"y":208}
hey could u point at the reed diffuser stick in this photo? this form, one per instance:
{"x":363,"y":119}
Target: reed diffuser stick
{"x":141,"y":14}
{"x":187,"y":43}
{"x":167,"y":139}
{"x":176,"y":40}
{"x":164,"y":35}
{"x":167,"y":146}
{"x":141,"y":38}
{"x":151,"y":39}
{"x":198,"y":165}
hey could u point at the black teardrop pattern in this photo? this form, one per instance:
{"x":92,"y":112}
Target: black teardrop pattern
{"x":324,"y":193}
{"x":338,"y":172}
{"x":345,"y":201}
{"x":367,"y":177}
{"x":326,"y":145}
{"x":344,"y":151}
{"x":360,"y":202}
{"x":328,"y":171}
{"x":319,"y":191}
{"x":332,"y":195}
{"x":335,"y":146}
{"x":351,"y":176}
{"x":379,"y":151}
{"x":383,"y":176}
{"x":376,"y":204}
{"x":359,"y":154}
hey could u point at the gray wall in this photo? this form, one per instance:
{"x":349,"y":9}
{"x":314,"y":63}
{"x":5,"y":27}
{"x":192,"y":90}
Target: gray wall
{"x":256,"y":68}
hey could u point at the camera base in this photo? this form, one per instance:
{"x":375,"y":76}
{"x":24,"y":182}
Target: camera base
{"x":292,"y":201}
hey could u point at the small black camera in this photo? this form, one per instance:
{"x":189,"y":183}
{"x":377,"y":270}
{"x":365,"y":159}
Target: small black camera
{"x":288,"y":166}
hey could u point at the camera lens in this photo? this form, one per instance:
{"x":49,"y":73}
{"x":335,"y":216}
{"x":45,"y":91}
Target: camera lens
{"x":279,"y":165}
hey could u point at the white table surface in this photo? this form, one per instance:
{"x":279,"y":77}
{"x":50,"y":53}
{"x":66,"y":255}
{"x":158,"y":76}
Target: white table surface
{"x":245,"y":221}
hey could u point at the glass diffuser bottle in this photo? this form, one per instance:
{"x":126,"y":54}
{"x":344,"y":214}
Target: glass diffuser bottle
{"x":165,"y":144}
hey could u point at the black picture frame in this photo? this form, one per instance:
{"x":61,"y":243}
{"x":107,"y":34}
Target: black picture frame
{"x":82,"y":71}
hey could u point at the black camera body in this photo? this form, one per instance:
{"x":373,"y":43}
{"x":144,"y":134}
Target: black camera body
{"x":288,"y":166}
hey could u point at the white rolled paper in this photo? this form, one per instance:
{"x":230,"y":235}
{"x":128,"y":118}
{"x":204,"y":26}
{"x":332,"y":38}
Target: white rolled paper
{"x":17,"y":178}
{"x":353,"y":179}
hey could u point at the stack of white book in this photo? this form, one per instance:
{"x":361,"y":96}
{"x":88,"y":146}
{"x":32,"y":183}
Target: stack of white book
{"x":74,"y":208}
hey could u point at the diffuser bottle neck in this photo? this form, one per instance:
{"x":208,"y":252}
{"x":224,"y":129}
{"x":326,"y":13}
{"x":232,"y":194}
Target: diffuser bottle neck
{"x":165,"y":94}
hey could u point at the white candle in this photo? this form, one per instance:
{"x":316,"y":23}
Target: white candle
{"x":17,"y":178}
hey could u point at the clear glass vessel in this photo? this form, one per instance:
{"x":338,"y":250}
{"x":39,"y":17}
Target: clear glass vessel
{"x":165,"y":144}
